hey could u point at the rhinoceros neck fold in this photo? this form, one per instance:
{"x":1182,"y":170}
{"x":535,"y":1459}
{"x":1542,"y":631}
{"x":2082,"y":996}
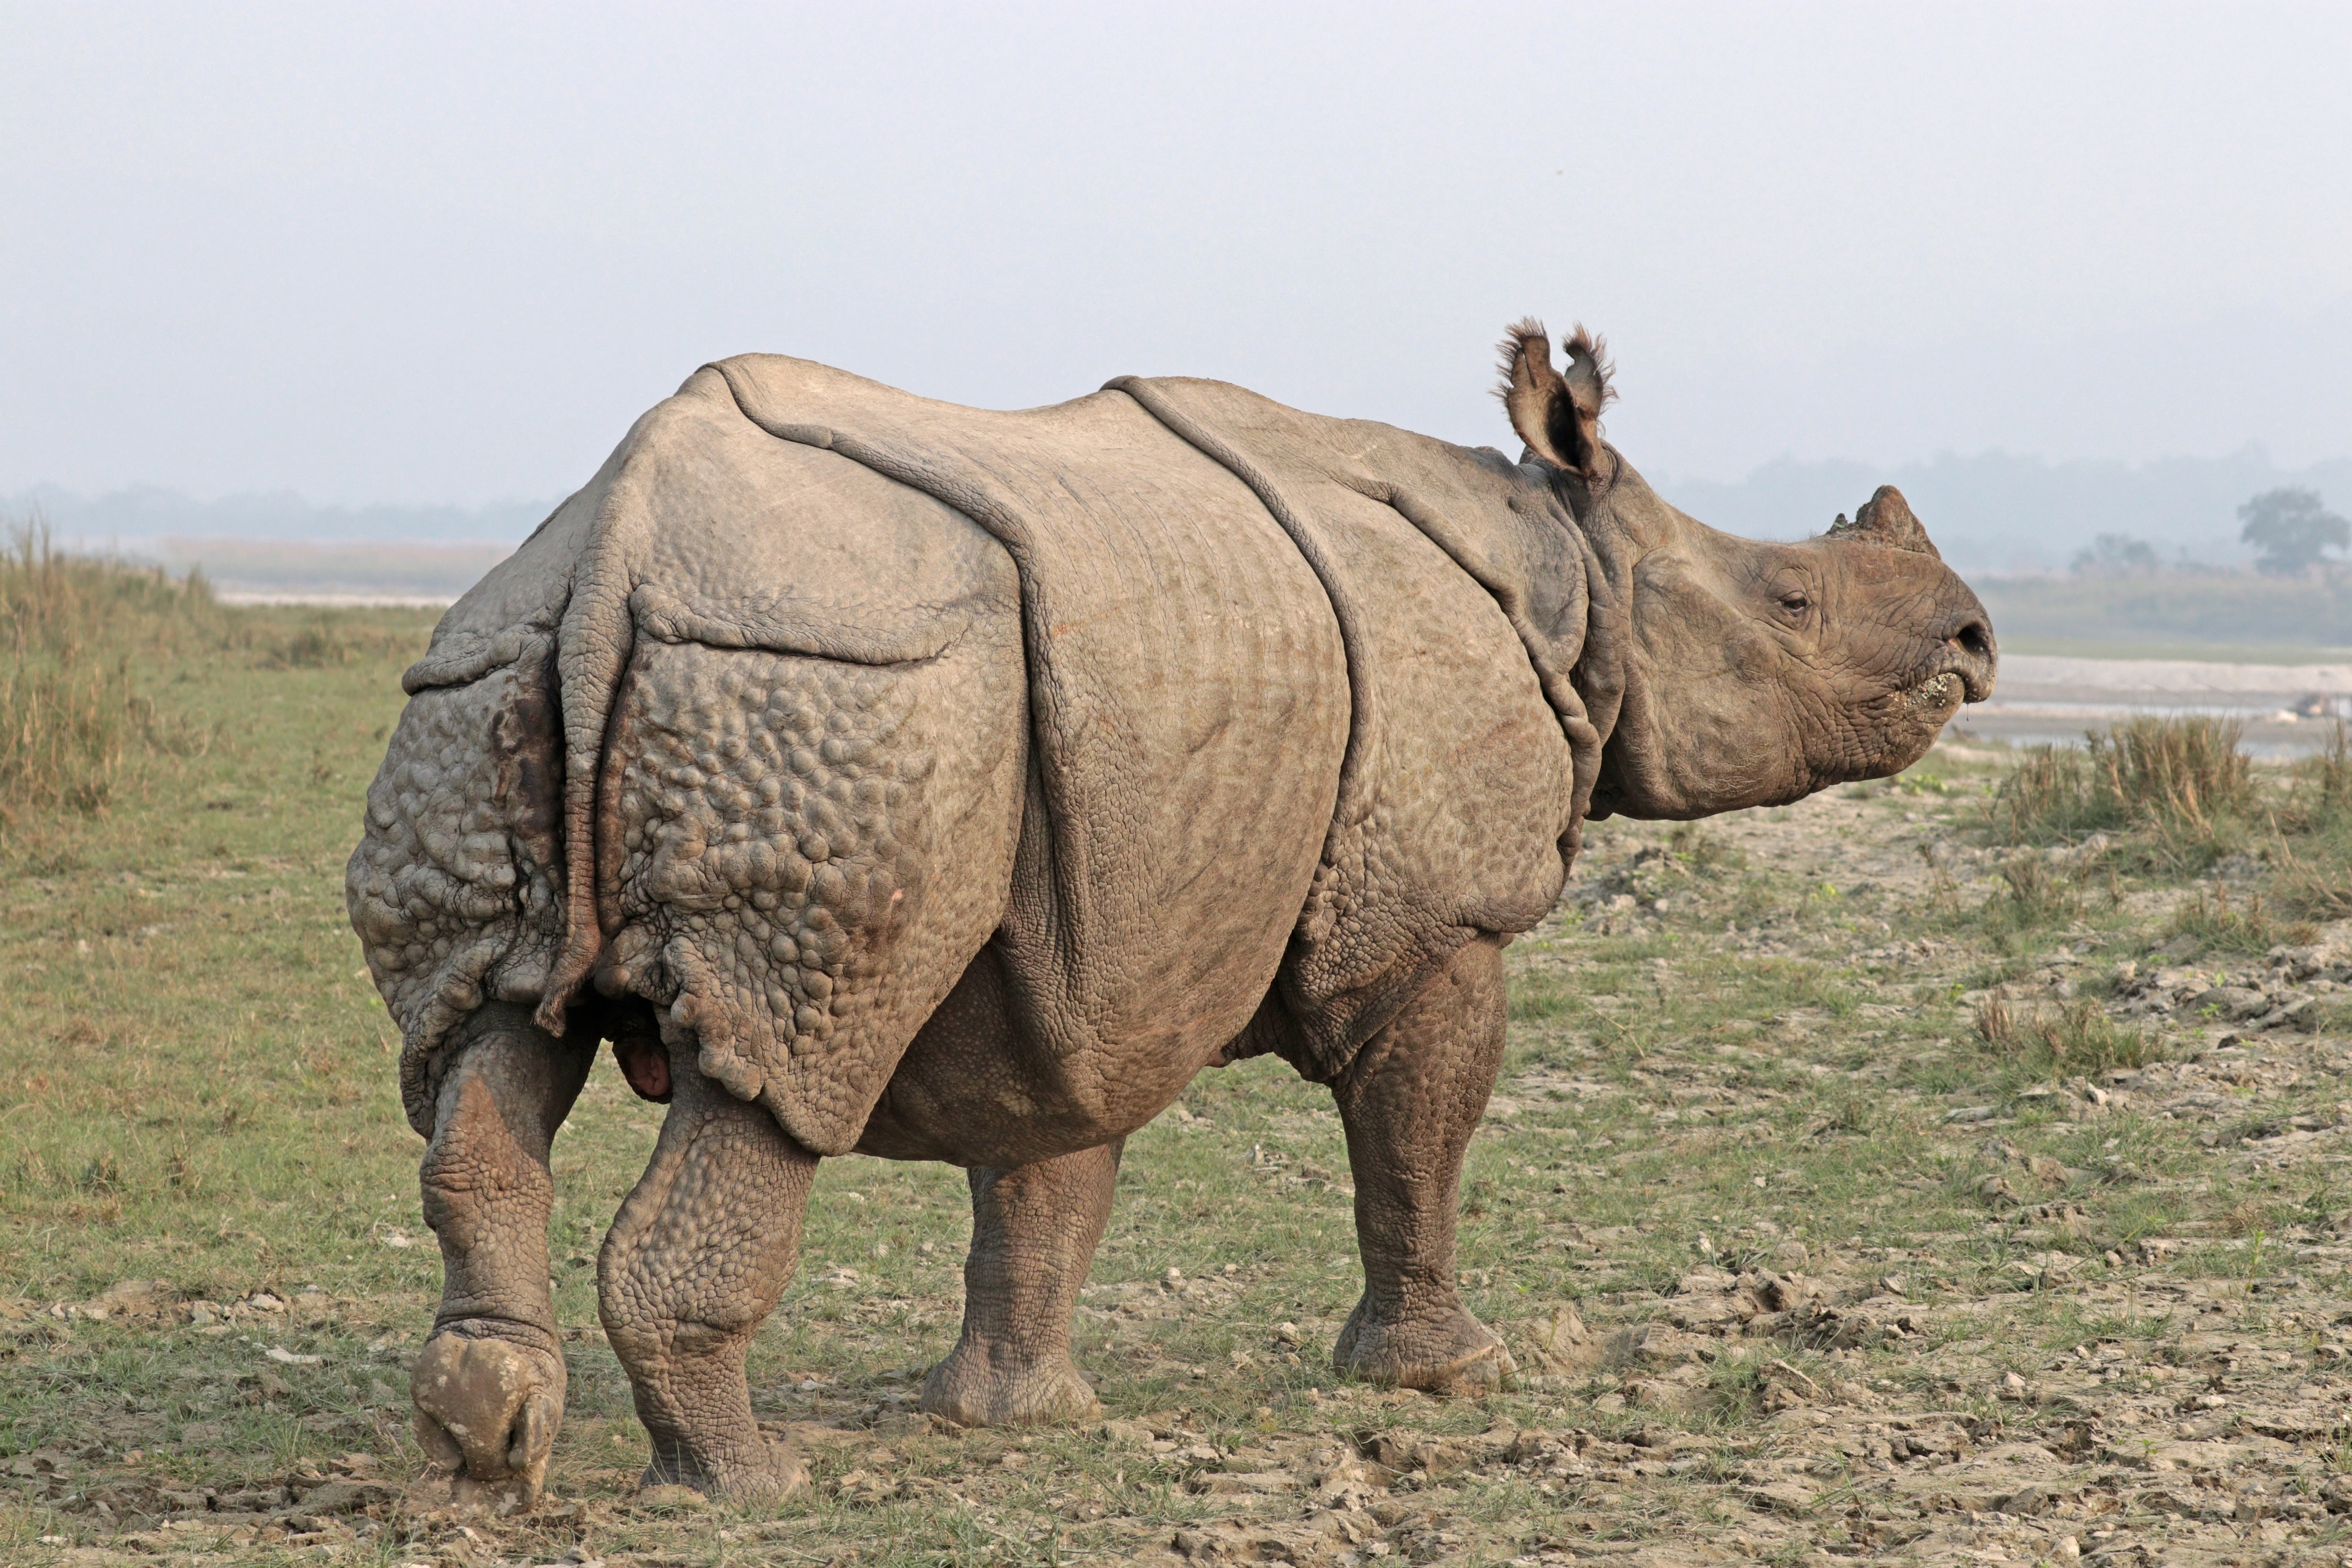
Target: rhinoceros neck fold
{"x":1500,"y":523}
{"x":1202,"y":436}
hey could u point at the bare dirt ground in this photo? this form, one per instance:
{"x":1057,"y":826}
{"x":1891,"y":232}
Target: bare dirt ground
{"x":1840,"y":1203}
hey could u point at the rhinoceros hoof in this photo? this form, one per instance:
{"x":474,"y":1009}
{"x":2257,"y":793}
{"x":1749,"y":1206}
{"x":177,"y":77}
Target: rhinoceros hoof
{"x":485,"y":1412}
{"x":965,"y":1390}
{"x":767,"y":1473}
{"x":1444,"y":1351}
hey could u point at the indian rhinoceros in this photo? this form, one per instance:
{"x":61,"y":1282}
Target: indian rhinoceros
{"x":884,"y":775}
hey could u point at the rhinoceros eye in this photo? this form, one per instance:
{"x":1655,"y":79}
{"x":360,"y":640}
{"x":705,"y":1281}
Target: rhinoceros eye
{"x":1795,"y":601}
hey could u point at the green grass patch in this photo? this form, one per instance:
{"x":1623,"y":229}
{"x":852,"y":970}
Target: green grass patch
{"x":2033,"y":893}
{"x":2172,"y":614}
{"x":2221,"y":924}
{"x":1537,"y":997}
{"x":196,"y":1086}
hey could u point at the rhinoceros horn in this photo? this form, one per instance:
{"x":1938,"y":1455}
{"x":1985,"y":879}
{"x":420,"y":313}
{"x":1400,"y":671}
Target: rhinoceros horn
{"x":1886,"y":519}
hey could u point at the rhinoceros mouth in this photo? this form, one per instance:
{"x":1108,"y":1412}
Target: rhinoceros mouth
{"x":1943,"y":692}
{"x":1958,"y":676}
{"x":1944,"y":688}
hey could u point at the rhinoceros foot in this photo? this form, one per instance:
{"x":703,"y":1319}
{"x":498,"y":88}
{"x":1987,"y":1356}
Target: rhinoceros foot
{"x":486,"y":1412}
{"x":1443,"y":1350}
{"x":767,"y":1473}
{"x":967,"y":1390}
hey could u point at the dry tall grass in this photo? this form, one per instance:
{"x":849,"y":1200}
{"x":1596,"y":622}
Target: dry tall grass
{"x":2077,"y":1038}
{"x":2314,"y":837}
{"x":74,"y":629}
{"x":2180,"y":795}
{"x":2146,"y":771}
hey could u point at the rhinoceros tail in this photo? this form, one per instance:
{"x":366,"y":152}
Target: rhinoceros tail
{"x":592,"y":650}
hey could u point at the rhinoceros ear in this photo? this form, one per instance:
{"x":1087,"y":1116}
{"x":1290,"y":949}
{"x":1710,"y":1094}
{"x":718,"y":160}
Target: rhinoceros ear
{"x":1558,"y":416}
{"x":1886,"y":519}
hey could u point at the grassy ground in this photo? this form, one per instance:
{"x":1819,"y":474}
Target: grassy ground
{"x":1910,"y":1174}
{"x":2174,"y":609}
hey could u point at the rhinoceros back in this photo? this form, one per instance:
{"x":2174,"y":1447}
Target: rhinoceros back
{"x":1459,"y":582}
{"x":810,"y":699}
{"x":819,"y":687}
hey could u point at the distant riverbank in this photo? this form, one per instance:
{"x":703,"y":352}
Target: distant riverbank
{"x":2287,"y":709}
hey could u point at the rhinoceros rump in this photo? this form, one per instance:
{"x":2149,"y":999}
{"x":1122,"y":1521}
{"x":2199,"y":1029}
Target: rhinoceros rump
{"x":886,"y":775}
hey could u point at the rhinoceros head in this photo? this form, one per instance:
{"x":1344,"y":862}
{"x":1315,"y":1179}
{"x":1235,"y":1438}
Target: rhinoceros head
{"x":1738,"y":673}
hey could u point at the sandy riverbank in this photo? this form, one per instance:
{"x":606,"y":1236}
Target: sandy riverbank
{"x":2286,"y":708}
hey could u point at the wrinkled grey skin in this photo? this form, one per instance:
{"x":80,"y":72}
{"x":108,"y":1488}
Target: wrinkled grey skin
{"x":885,"y":777}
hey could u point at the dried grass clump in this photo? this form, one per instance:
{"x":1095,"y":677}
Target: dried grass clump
{"x":2185,"y":773}
{"x":2048,"y":795}
{"x":2182,"y":770}
{"x":2222,"y":925}
{"x":2313,"y":852}
{"x":2077,"y":1040}
{"x":2081,"y":1038}
{"x":2180,"y":795}
{"x":72,"y":630}
{"x":2033,"y":893}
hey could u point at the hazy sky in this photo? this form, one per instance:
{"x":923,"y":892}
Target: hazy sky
{"x":410,"y":253}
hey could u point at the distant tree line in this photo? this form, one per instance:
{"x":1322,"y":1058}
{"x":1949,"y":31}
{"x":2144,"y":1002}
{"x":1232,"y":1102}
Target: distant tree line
{"x":2291,"y":529}
{"x":2118,"y":555}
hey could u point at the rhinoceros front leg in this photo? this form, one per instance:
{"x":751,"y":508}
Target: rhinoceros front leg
{"x":1409,"y":1102}
{"x":695,"y":1260}
{"x":488,"y":1388}
{"x":1034,"y":1233}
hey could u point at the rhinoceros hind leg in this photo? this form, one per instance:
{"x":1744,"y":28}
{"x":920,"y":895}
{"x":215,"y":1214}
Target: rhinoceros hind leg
{"x":1410,"y":1101}
{"x":695,"y":1260}
{"x":1034,"y":1233}
{"x":488,"y":1388}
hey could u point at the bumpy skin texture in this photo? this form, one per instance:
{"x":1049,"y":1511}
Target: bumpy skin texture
{"x":701,"y":1250}
{"x":799,"y":878}
{"x":488,"y":1388}
{"x":453,"y":889}
{"x":887,"y":776}
{"x":1033,"y":1231}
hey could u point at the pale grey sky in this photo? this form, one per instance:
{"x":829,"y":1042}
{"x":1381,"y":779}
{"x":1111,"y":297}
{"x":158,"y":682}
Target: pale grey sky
{"x":419,"y":253}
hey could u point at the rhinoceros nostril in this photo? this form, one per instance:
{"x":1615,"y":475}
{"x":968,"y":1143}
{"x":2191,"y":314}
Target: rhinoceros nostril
{"x":1975,"y":639}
